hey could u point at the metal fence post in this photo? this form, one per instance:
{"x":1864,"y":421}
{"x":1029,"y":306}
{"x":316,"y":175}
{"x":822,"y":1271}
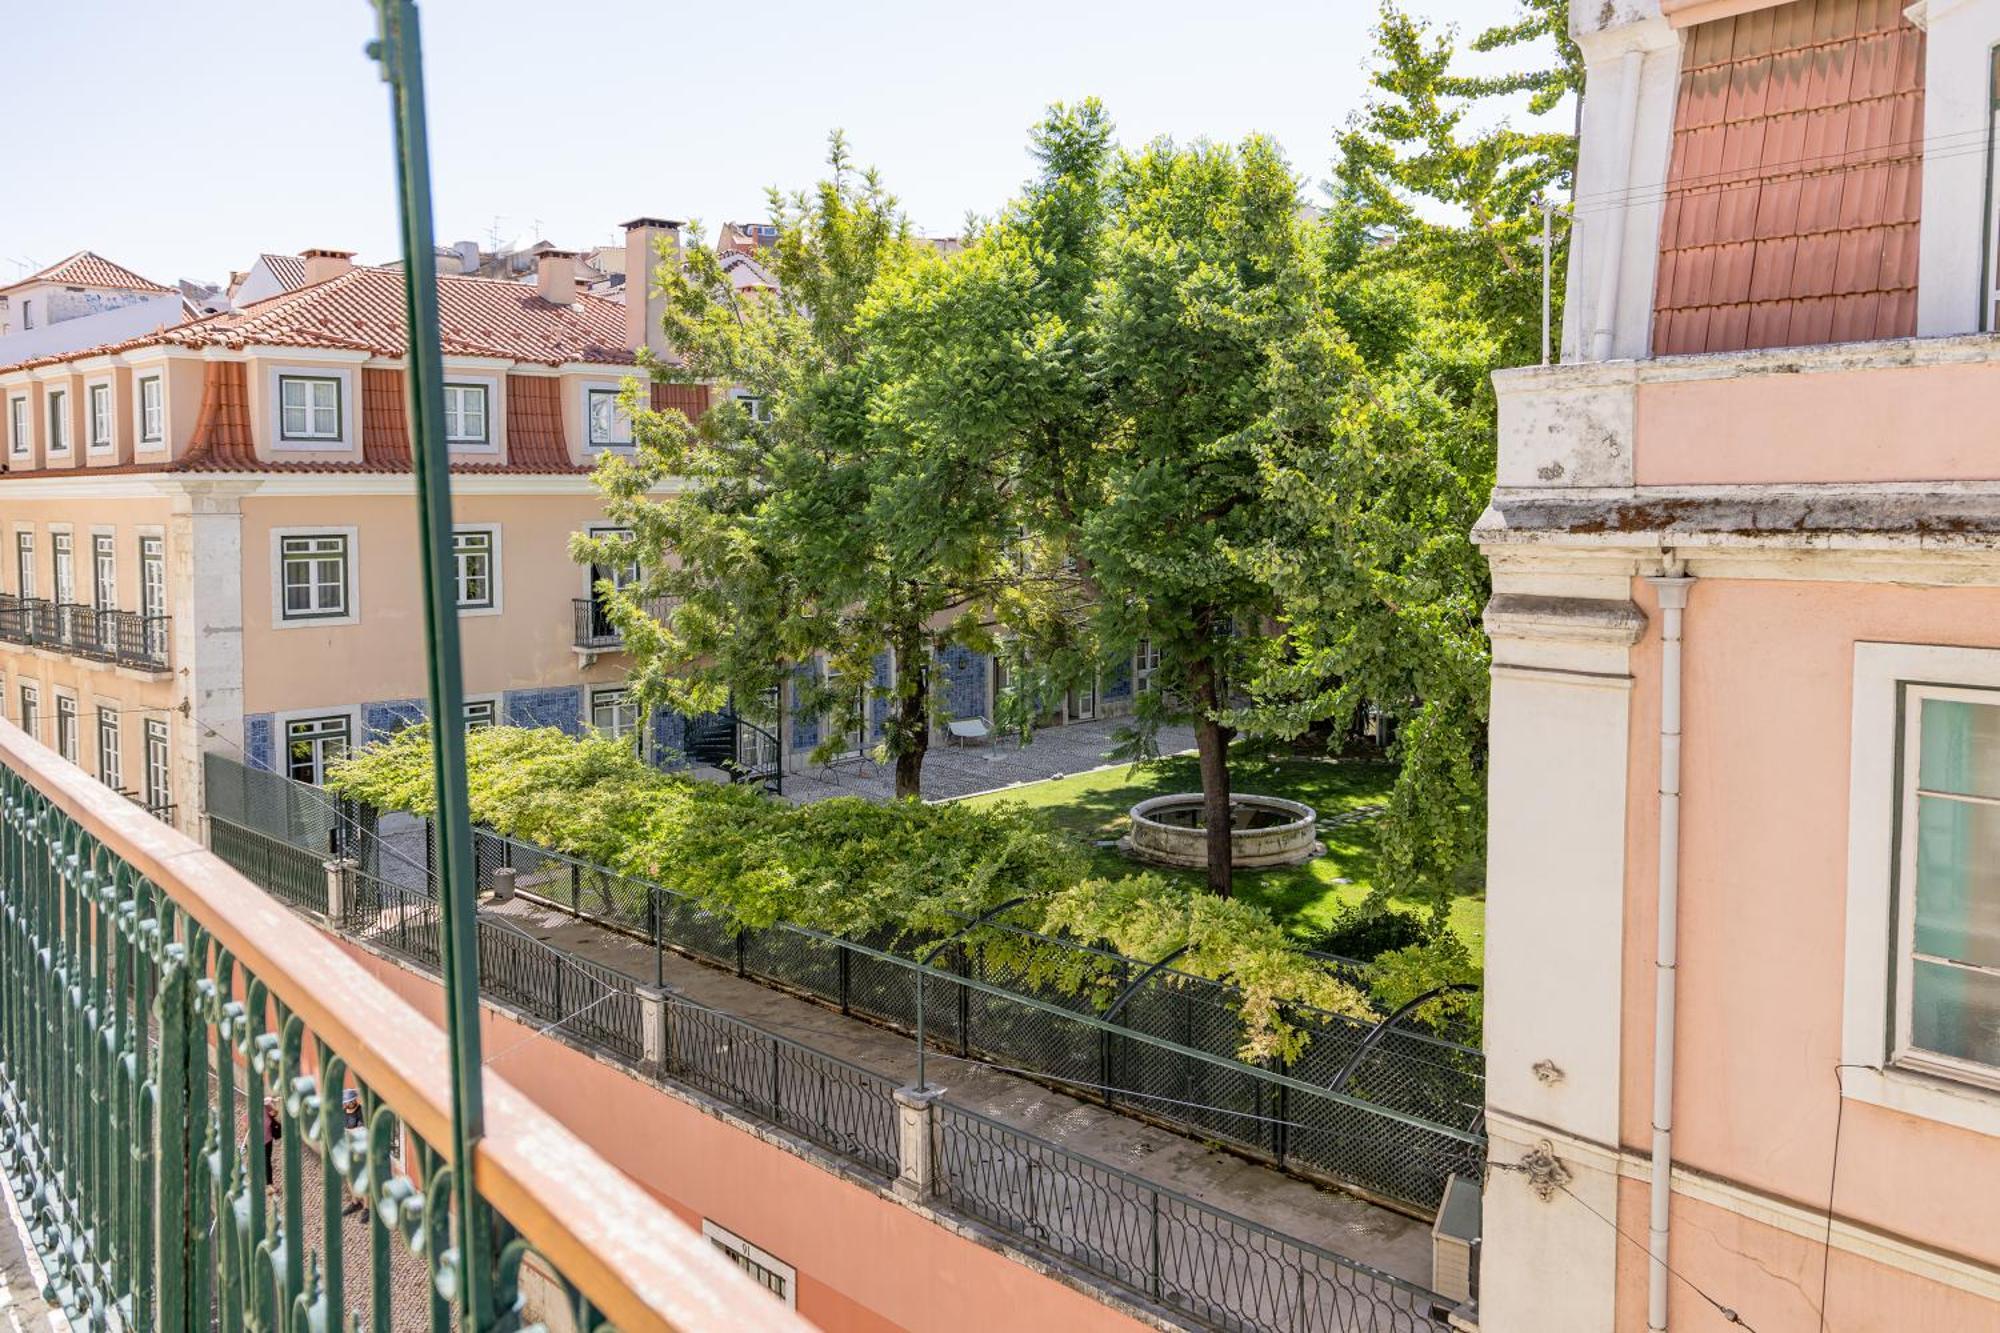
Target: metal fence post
{"x":652,"y":1027}
{"x":964,"y":1001}
{"x":1155,"y":1231}
{"x":846,"y":971}
{"x":915,"y":1165}
{"x":742,"y":949}
{"x":339,"y":888}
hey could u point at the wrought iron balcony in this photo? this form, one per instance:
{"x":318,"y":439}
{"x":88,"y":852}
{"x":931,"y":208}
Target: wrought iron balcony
{"x":177,"y":1061}
{"x":596,"y":633}
{"x":125,"y":638}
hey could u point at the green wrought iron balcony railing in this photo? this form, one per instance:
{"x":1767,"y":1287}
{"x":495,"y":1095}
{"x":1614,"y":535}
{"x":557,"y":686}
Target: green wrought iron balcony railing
{"x":124,"y":638}
{"x":213,"y":1116}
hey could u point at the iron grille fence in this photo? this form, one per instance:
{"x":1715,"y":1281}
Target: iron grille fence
{"x":1223,"y":1270}
{"x":288,"y":871}
{"x":1408,"y":1118}
{"x":152,"y":1015}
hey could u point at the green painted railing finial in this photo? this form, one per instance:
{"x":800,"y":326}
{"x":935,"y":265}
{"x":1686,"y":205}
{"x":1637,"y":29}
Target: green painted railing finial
{"x":398,"y":49}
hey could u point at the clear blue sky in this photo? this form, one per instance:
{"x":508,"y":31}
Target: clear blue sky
{"x":182,"y":138}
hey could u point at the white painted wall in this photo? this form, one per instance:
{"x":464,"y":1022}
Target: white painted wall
{"x":70,"y":335}
{"x":1620,"y":179}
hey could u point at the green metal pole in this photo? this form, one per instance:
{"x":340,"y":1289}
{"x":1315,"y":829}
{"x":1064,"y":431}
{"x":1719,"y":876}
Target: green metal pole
{"x":399,"y":51}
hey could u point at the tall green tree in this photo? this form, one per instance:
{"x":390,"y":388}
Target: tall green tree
{"x":792,"y":524}
{"x":1432,"y":259}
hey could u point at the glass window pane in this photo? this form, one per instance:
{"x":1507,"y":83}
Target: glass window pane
{"x":1958,"y":880}
{"x":295,"y":419}
{"x":1955,"y":1012}
{"x":1961,"y":747}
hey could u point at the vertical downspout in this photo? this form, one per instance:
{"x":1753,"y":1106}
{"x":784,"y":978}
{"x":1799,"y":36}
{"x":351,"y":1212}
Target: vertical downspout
{"x":1611,"y":271}
{"x":1672,"y":592}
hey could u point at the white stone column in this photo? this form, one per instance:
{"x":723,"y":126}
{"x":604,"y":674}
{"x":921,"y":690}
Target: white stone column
{"x":1632,"y":74}
{"x":205,"y":578}
{"x":914,"y":1109}
{"x":653,"y":1035}
{"x":1555,"y":921}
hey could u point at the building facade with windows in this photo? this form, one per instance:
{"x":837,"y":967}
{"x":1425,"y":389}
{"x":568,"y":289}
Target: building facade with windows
{"x":1743,"y":922}
{"x":82,"y":301}
{"x":209,"y":532}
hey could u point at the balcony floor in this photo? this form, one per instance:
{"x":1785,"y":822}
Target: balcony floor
{"x":1339,"y":1222}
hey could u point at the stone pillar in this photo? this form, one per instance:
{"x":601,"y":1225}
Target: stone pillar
{"x":339,"y":888}
{"x":503,"y":884}
{"x":205,"y":578}
{"x":654,"y":1037}
{"x":914,"y":1112}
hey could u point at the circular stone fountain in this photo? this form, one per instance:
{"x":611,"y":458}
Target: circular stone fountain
{"x":1264,"y":831}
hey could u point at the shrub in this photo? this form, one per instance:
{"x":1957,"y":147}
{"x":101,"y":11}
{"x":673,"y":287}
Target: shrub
{"x":858,"y":869}
{"x":1362,"y":932}
{"x":1401,"y":975}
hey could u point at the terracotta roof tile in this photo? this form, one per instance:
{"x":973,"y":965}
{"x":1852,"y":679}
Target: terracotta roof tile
{"x":86,"y":268}
{"x":362,"y":310}
{"x":535,"y":424}
{"x":1795,"y":179}
{"x":385,"y":425}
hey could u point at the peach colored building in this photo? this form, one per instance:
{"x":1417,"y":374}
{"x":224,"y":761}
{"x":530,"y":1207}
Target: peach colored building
{"x":208,"y":536}
{"x":1743,"y":930}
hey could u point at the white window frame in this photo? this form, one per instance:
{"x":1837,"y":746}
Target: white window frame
{"x":592,"y":444}
{"x":110,"y":748}
{"x":30,"y":695}
{"x":104,"y":569}
{"x":150,"y":421}
{"x":27,"y":573}
{"x":755,"y":405}
{"x":68,"y":719}
{"x":1868,"y":1027}
{"x":482,"y":710}
{"x":62,"y":565}
{"x":491,"y":532}
{"x":745,"y":1254}
{"x":347,"y":425}
{"x":616,"y":696}
{"x":1145,"y":665}
{"x":455,"y":391}
{"x":96,"y":396}
{"x":282,"y":724}
{"x":158,"y":791}
{"x":56,"y":408}
{"x":280,"y":619}
{"x":20,"y":439}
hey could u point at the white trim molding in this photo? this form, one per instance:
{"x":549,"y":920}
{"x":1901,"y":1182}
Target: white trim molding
{"x":1880,"y":672}
{"x":351,"y":614}
{"x":348,"y":409}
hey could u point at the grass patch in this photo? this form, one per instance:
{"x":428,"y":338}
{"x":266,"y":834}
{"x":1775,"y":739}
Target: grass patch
{"x":1092,"y":807}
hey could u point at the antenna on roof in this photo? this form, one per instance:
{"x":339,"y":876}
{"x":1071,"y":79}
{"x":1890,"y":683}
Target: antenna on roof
{"x":493,"y":234}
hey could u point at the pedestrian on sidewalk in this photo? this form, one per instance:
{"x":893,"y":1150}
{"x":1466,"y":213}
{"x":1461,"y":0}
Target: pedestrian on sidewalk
{"x":350,"y":1106}
{"x":273,"y":1131}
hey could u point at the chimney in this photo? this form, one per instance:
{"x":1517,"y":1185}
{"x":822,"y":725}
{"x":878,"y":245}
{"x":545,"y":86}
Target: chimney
{"x":555,"y":276}
{"x":642,"y":308}
{"x":324,"y":264}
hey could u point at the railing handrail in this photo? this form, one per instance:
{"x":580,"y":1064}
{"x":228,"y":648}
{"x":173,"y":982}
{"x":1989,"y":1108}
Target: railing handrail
{"x":640,"y":1266}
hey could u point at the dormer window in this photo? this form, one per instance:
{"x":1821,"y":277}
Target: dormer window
{"x":58,"y":421}
{"x":465,"y":414}
{"x":100,"y":416}
{"x":152,"y":410}
{"x":610,"y":428}
{"x":308,"y":408}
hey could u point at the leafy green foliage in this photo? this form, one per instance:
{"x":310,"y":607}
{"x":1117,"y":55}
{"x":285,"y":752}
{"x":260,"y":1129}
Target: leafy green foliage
{"x":1366,"y":933}
{"x":903,"y":870}
{"x":820,"y":526}
{"x":1401,"y":975}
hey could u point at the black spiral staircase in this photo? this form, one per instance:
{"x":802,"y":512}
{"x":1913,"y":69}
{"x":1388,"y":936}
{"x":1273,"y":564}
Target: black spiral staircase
{"x":723,"y":740}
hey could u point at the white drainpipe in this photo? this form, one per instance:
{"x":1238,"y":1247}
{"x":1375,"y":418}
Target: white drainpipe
{"x":1672,"y":592}
{"x":1612,"y":269}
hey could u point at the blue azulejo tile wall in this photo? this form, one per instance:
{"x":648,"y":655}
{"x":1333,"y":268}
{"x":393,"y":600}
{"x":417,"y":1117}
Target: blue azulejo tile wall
{"x":556,"y":706}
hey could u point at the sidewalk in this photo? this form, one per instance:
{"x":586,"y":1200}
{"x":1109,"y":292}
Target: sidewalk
{"x":962,"y":770}
{"x":1348,"y":1226}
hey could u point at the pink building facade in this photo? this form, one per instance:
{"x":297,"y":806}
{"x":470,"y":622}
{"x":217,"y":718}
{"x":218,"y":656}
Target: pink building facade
{"x":1743,"y":961}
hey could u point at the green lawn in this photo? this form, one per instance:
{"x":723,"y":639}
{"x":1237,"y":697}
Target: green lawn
{"x":1092,"y":807}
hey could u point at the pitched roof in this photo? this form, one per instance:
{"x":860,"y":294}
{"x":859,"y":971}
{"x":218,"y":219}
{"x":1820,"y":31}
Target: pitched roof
{"x":362,"y":310}
{"x":86,"y":268}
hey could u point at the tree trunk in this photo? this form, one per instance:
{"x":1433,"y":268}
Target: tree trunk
{"x":913,"y":720}
{"x":1212,"y":744}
